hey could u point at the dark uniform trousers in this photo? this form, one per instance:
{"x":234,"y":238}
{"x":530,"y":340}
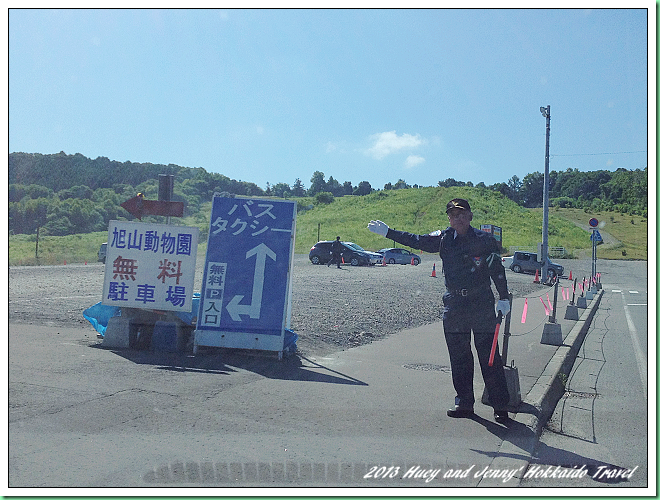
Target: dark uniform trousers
{"x":464,"y":317}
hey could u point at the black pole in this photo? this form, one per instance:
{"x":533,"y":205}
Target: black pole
{"x":165,"y":190}
{"x":36,"y":248}
{"x":574,"y":285}
{"x":554,"y":303}
{"x":507,"y":333}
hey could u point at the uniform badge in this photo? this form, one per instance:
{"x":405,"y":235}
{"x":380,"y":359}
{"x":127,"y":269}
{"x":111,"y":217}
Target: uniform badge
{"x":477,"y":261}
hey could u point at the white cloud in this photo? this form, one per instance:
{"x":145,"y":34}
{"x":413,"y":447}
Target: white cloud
{"x":386,"y":143}
{"x":414,"y":160}
{"x":330,"y":147}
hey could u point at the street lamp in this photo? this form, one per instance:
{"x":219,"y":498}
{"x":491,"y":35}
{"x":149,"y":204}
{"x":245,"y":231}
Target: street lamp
{"x":546,"y":192}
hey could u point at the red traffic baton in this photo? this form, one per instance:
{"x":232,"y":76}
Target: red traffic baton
{"x":494,"y":347}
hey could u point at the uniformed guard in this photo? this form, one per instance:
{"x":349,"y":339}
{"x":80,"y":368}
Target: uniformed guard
{"x":470,"y":259}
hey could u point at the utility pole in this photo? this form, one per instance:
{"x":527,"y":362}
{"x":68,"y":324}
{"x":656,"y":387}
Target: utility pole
{"x":546,"y":196}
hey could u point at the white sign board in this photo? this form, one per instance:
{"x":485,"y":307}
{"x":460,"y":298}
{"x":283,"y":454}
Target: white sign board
{"x":150,"y":266}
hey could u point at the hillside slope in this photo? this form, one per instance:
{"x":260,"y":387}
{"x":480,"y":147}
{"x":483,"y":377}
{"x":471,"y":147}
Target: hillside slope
{"x":423,"y":211}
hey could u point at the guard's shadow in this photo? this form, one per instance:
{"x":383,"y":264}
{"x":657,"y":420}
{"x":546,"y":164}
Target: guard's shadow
{"x":222,"y":361}
{"x":525,"y":439}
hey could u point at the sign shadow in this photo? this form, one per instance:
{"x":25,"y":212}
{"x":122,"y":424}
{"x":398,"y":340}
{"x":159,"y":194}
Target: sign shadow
{"x":222,"y":361}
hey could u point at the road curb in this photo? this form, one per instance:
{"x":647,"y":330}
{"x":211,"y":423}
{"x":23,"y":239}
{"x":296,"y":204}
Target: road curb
{"x":539,"y":403}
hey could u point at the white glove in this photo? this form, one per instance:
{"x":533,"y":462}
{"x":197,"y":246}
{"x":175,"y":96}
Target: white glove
{"x":504,"y":306}
{"x":378,"y":227}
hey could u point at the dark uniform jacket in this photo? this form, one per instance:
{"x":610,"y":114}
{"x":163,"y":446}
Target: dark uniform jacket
{"x":469,"y":262}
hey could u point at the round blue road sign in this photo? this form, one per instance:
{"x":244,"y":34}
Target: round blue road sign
{"x":593,"y":222}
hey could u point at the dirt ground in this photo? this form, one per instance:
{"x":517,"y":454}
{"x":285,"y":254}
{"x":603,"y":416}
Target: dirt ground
{"x":332,"y":309}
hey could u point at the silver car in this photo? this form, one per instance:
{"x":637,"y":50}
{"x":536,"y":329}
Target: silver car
{"x":400,"y":256}
{"x":103,"y":250}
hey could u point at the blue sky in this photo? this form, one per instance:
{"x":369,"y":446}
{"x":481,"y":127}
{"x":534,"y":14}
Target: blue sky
{"x":378,"y":95}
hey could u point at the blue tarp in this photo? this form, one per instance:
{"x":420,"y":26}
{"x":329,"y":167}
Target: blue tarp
{"x":99,"y":314}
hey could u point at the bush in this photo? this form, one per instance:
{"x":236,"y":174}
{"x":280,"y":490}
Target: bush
{"x":324,"y":198}
{"x":562,"y":201}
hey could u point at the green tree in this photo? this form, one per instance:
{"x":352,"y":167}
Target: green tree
{"x":401,"y":184}
{"x":334,"y":187}
{"x":531,"y":191}
{"x":317,"y":183}
{"x":364,"y":188}
{"x":515,"y":184}
{"x":281,"y":190}
{"x":348,"y":188}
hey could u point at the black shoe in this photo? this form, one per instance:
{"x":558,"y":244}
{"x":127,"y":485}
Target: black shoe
{"x":501,"y":416}
{"x":459,"y":412}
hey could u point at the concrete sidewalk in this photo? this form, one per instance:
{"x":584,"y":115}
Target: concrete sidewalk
{"x":374,"y":416}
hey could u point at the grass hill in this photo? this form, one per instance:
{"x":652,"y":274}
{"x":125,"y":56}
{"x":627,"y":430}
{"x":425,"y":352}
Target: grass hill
{"x":423,"y":211}
{"x":416,"y":210}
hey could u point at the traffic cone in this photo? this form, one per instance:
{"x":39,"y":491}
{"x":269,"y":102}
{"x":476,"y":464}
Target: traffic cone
{"x":433,"y":272}
{"x":536,"y":277}
{"x":342,"y":260}
{"x":65,"y":262}
{"x":570,"y":276}
{"x":384,"y":263}
{"x":412,"y":261}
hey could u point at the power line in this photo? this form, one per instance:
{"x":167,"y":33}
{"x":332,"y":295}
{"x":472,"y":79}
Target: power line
{"x":597,"y":154}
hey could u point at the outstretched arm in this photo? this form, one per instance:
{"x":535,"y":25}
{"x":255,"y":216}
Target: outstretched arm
{"x":425,"y":242}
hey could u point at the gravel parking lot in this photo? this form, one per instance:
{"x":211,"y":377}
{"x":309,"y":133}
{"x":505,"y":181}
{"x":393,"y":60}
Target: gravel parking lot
{"x":332,"y":309}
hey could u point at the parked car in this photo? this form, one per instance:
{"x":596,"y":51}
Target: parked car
{"x":102,"y":252}
{"x":352,"y":254}
{"x":526,"y":262}
{"x":399,"y":256}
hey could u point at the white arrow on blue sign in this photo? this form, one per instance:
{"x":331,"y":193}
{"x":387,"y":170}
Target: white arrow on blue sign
{"x":249,"y":254}
{"x":235,"y":307}
{"x":595,"y":236}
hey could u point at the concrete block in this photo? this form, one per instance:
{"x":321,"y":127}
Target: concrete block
{"x":513,"y":386}
{"x":582,"y":302}
{"x":166,"y":336}
{"x":589,"y":295}
{"x":552,"y":334}
{"x":118,"y":332}
{"x":572,"y":312}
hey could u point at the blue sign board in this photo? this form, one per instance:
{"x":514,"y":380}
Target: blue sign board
{"x":595,"y":236}
{"x":246,"y":289}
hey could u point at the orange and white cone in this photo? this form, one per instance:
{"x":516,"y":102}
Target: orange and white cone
{"x":536,"y":277}
{"x":433,"y":275}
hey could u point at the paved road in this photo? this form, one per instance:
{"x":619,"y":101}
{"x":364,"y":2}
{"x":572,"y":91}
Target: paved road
{"x":602,"y":418}
{"x":87,"y":416}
